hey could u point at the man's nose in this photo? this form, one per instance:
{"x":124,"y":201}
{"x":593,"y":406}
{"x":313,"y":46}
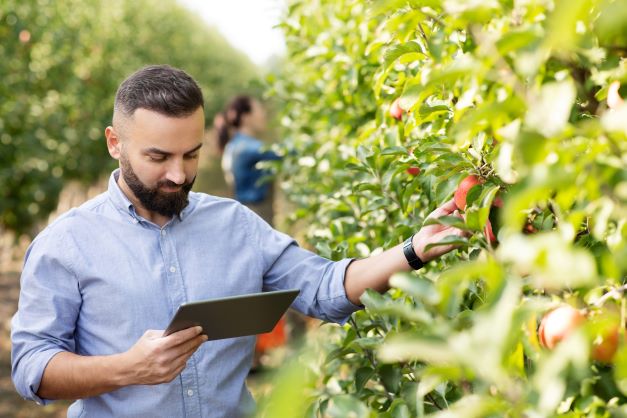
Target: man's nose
{"x":176,"y":174}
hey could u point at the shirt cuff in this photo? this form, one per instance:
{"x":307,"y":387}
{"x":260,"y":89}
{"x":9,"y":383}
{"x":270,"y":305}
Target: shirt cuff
{"x":340,"y":307}
{"x":34,"y":373}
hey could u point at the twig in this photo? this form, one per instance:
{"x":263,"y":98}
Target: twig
{"x":615,"y":292}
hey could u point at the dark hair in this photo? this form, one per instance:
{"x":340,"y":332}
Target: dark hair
{"x":160,"y":88}
{"x":231,"y":117}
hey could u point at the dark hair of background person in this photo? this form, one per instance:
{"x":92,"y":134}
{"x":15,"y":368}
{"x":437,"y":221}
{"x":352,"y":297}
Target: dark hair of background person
{"x":159,"y":88}
{"x":232,"y":118}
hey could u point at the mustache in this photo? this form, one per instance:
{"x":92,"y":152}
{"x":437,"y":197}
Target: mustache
{"x":171,"y":184}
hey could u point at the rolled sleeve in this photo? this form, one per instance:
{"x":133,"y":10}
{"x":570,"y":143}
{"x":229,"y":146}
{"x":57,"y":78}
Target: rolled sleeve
{"x":44,"y":323}
{"x":333,"y":300}
{"x":287,"y":266}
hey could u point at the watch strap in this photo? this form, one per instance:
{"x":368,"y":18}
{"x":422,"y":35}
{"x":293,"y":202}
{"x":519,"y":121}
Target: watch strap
{"x":410,"y":254}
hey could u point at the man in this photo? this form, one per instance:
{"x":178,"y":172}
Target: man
{"x":101,"y":282}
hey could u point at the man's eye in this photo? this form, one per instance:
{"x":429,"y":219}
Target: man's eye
{"x":191,"y":156}
{"x":156,"y":159}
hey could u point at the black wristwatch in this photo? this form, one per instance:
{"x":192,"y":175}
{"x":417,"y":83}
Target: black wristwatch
{"x":408,"y":249}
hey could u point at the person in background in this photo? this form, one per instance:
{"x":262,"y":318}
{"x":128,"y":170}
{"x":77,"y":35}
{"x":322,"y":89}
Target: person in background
{"x":238,"y":127}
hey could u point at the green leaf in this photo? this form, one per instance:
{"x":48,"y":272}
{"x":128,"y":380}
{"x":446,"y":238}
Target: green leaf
{"x":477,"y":217}
{"x":362,"y":376}
{"x":390,"y":377}
{"x":398,"y":50}
{"x":453,"y":221}
{"x":449,"y":240}
{"x":366,"y":343}
{"x":346,"y":406}
{"x":519,"y":39}
{"x":416,"y":286}
{"x":620,"y":368}
{"x":406,"y":347}
{"x":394,"y":151}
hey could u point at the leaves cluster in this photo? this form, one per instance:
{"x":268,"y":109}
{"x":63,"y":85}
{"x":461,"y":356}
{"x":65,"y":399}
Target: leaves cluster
{"x":511,"y":91}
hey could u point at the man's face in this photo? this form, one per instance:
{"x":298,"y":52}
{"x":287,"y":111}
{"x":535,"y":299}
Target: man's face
{"x":159,"y":158}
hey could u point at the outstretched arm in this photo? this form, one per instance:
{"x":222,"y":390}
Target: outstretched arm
{"x":374,"y":272}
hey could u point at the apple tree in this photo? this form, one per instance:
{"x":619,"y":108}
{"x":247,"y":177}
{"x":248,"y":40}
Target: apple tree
{"x":515,"y":108}
{"x":62,"y":62}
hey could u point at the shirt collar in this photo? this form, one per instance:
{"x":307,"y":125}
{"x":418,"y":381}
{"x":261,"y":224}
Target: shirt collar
{"x":117,"y":196}
{"x":123,"y":204}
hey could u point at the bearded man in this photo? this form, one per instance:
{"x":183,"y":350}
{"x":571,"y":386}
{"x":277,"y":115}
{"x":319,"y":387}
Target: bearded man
{"x":101,"y":282}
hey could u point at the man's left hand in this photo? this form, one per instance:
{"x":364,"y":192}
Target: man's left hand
{"x":431,"y":234}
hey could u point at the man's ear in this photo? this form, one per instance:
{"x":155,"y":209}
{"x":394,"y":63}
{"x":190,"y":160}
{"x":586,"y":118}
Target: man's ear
{"x":113,"y":142}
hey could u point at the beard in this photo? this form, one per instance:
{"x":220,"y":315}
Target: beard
{"x":164,"y":203}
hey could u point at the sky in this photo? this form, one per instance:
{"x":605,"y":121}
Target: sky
{"x":246,"y":24}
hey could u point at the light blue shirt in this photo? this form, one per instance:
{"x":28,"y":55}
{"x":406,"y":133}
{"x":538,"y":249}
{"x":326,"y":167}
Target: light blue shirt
{"x":101,"y":275}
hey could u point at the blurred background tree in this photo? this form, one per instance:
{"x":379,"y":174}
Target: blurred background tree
{"x":62,"y":62}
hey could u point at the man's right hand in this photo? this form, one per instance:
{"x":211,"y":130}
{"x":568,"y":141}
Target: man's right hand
{"x":157,"y":359}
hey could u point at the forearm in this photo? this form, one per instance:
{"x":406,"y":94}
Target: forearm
{"x":71,"y":376}
{"x":373,"y":272}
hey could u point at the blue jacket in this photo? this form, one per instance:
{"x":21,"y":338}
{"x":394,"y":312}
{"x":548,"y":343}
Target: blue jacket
{"x":241,"y":155}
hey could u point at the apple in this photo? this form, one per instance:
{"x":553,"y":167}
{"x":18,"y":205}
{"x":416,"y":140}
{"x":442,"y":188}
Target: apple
{"x":557,"y":324}
{"x":489,"y":234}
{"x":396,"y":111}
{"x":24,"y":36}
{"x":560,"y":322}
{"x":529,"y":229}
{"x":462,"y":190}
{"x":413,"y":170}
{"x":604,"y":350}
{"x":614,"y":100}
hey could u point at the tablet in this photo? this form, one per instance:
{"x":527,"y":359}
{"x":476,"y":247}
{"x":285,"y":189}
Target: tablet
{"x":234,"y":316}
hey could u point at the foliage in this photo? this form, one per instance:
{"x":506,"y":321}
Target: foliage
{"x":511,"y":91}
{"x":62,"y":62}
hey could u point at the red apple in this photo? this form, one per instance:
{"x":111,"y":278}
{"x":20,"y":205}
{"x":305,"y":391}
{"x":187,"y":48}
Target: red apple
{"x":489,"y":234}
{"x":557,"y":324}
{"x":605,"y":349}
{"x":529,"y":229}
{"x":396,"y":111}
{"x":414,"y":171}
{"x":462,"y":190}
{"x":24,"y":36}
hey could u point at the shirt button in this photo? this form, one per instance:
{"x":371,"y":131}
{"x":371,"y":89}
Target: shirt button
{"x":190,"y":392}
{"x":172,"y":269}
{"x":163,"y":232}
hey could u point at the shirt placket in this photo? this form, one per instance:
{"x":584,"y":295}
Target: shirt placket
{"x":176,"y":290}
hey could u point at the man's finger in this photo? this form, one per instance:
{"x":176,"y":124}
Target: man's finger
{"x":182,"y":336}
{"x":188,"y":350}
{"x":445,"y":209}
